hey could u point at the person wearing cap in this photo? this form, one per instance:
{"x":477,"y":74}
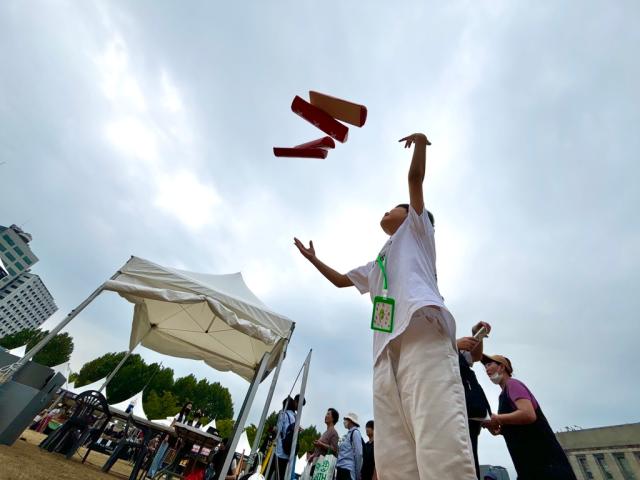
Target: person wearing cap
{"x":534,"y":449}
{"x":349,"y":464}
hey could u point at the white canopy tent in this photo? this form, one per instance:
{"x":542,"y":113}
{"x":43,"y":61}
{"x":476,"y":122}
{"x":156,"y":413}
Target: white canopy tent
{"x":91,"y":386}
{"x":243,"y":447}
{"x":301,"y":463}
{"x":65,"y":370}
{"x":211,"y":424}
{"x":19,"y":351}
{"x":214,"y":318}
{"x":138,"y":409}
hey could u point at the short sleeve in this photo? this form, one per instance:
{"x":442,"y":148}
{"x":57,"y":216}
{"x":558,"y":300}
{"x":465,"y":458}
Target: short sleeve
{"x":360,"y":277}
{"x":518,"y":391}
{"x":420,"y":223}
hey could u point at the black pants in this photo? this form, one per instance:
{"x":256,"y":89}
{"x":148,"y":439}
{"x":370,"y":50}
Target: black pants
{"x":343,"y":474}
{"x":282,"y":468}
{"x":474,"y":433}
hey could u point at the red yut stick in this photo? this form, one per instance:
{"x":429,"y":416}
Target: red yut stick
{"x":324,"y":142}
{"x":349,"y":112}
{"x":300,"y":152}
{"x":320,"y":119}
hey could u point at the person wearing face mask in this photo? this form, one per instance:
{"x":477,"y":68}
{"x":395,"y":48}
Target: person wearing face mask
{"x":349,"y":464}
{"x":534,"y":449}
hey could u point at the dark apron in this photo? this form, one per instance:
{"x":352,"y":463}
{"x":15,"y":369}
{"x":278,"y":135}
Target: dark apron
{"x":534,"y":449}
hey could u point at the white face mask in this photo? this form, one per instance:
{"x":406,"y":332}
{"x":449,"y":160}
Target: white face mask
{"x":496,"y":377}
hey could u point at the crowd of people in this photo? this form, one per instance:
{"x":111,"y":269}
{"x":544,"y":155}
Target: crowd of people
{"x":428,"y":419}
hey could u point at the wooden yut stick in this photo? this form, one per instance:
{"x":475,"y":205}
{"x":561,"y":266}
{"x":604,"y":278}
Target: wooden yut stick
{"x":352,"y":113}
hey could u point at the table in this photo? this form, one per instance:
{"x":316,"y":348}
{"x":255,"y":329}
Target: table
{"x":142,"y":424}
{"x":190,"y":436}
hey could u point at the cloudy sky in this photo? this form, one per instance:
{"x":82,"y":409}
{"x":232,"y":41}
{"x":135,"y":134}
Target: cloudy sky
{"x":146,"y":128}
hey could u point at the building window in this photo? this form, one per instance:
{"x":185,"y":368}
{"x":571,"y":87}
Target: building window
{"x":8,"y":239}
{"x":27,"y":260}
{"x":11,"y":271}
{"x":584,"y":466}
{"x":604,"y":468}
{"x":2,"y":247}
{"x":10,"y":256}
{"x":18,"y":250}
{"x":625,"y":468}
{"x":20,"y":267}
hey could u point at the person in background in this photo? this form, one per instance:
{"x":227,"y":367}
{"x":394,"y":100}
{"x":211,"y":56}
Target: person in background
{"x":478,"y":408}
{"x":349,"y":464}
{"x":534,"y":449}
{"x":286,"y":418}
{"x":328,"y":441}
{"x":368,"y":459}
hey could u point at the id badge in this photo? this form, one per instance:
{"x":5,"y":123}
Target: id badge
{"x":383,"y":311}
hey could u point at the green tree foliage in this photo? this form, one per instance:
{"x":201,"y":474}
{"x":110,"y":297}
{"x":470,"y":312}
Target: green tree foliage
{"x":306,"y":439}
{"x":225,"y":427}
{"x":212,"y":398}
{"x":161,"y":406}
{"x":57,"y":351}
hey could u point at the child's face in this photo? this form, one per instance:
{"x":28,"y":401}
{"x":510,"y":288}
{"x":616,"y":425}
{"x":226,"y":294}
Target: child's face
{"x":392,"y":220}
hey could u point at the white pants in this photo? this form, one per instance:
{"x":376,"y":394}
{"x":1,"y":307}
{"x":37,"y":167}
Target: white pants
{"x":419,"y":406}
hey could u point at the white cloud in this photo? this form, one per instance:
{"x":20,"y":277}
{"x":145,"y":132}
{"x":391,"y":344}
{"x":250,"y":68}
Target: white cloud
{"x":186,"y":197}
{"x":134,"y":138}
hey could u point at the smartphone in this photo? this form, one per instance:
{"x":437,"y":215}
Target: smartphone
{"x":480,"y":334}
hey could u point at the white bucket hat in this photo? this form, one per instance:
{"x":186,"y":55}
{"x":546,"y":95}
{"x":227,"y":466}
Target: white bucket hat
{"x":353,"y":417}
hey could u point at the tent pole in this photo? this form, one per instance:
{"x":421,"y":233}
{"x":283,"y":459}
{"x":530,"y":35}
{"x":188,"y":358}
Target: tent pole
{"x":265,"y":410}
{"x":303,"y":386}
{"x":243,"y":414}
{"x":6,"y":373}
{"x":115,"y":370}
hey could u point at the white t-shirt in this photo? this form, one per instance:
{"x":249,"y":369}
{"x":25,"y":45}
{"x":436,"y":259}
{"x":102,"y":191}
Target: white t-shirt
{"x":411,"y":276}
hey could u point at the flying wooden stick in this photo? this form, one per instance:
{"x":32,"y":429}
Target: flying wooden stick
{"x":349,"y":112}
{"x":324,"y":142}
{"x":300,"y":152}
{"x":320,"y":119}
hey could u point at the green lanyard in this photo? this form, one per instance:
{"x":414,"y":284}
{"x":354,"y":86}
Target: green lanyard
{"x":383,"y":306}
{"x":383,"y":269}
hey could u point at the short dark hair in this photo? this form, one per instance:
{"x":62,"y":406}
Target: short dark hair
{"x":369,"y":424}
{"x":429,"y":214}
{"x":334,"y":415}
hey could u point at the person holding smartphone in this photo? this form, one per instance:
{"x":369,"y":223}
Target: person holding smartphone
{"x":478,"y":408}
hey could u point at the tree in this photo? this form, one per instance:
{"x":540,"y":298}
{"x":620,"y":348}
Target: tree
{"x":161,"y":406}
{"x":57,"y":351}
{"x":306,"y":439}
{"x":225,"y":427}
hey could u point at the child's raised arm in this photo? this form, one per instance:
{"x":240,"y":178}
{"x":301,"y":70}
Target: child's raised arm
{"x":417,"y":169}
{"x":338,"y":279}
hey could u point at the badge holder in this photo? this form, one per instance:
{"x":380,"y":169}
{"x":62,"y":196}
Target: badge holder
{"x":383,"y":306}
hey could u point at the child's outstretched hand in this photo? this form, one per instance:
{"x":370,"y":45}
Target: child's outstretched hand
{"x":417,"y":138}
{"x":308,"y":253}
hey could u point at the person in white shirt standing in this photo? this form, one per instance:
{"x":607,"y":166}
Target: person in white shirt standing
{"x":419,"y":403}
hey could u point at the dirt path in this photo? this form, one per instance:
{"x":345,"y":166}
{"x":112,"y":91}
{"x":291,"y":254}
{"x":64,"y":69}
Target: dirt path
{"x":25,"y":461}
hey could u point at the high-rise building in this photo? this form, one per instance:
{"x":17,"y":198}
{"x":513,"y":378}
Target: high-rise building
{"x":605,"y":453}
{"x":24,"y":303}
{"x":24,"y":300}
{"x":15,"y":255}
{"x":499,"y":472}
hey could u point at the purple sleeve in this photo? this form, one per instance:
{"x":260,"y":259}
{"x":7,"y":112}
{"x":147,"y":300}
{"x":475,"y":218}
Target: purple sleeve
{"x":518,"y":391}
{"x":360,"y":277}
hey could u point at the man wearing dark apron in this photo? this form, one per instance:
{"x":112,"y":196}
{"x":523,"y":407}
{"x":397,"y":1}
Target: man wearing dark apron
{"x":534,"y":449}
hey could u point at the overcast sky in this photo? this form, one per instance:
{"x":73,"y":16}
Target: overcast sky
{"x":146,"y":128}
